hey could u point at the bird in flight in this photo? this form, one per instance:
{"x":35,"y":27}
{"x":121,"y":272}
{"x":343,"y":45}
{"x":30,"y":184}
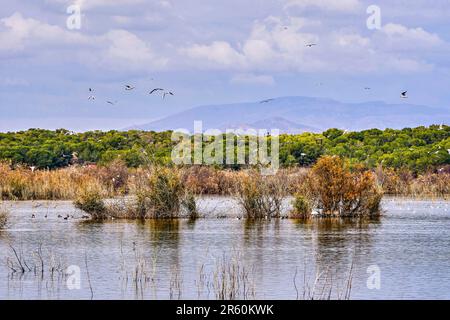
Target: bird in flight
{"x":310,"y":45}
{"x":91,"y":96}
{"x":167,"y":93}
{"x":155,"y":90}
{"x":266,"y":101}
{"x":404,"y":95}
{"x":367,"y":88}
{"x":111,"y":102}
{"x":128,"y":87}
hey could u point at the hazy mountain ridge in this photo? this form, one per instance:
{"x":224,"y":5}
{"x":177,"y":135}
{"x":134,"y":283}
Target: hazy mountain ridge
{"x":298,"y":114}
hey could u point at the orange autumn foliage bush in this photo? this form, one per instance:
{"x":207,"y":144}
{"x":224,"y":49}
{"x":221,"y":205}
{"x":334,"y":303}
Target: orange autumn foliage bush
{"x":334,"y":189}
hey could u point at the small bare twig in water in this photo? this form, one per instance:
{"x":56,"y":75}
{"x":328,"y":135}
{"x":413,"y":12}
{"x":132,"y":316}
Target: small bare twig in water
{"x":88,"y":275}
{"x":295,"y":284}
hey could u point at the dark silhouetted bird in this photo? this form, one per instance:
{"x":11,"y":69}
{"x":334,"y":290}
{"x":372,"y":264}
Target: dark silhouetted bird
{"x":156,"y":90}
{"x":167,"y":93}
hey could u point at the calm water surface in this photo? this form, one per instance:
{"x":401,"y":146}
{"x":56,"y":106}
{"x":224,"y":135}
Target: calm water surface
{"x":410,"y":245}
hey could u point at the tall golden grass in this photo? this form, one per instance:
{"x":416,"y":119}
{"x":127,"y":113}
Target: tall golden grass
{"x":4,"y":215}
{"x":20,"y":183}
{"x":162,"y":194}
{"x":403,"y":183}
{"x":261,"y":196}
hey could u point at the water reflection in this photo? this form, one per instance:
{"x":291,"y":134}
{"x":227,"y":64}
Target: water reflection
{"x":172,"y":256}
{"x":338,"y":245}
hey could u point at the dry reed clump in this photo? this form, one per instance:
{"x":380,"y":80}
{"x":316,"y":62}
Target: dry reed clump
{"x":403,"y":183}
{"x":89,"y":198}
{"x":431,"y":185}
{"x":213,"y":181}
{"x":335,"y":190}
{"x":208,"y":180}
{"x":394,"y":182}
{"x":113,"y":177}
{"x":4,"y":215}
{"x":232,"y":280}
{"x":122,"y":208}
{"x":23,"y":184}
{"x":189,"y":204}
{"x":261,"y":196}
{"x":161,"y":195}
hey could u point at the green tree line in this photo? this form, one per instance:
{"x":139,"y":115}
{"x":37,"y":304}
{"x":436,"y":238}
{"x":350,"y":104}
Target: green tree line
{"x":418,"y":149}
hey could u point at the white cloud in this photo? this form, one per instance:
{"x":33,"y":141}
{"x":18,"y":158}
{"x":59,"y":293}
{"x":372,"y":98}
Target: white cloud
{"x":116,"y":49}
{"x":274,"y":45}
{"x":19,"y":32}
{"x":250,"y":79}
{"x":399,"y":36}
{"x":89,"y":4}
{"x":127,"y":50}
{"x":329,"y":5}
{"x":218,"y":54}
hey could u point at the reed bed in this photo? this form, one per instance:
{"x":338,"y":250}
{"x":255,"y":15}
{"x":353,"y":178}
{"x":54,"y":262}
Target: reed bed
{"x":115,"y":179}
{"x":261,"y":196}
{"x":4,"y":215}
{"x":404,"y":183}
{"x":159,"y":194}
{"x":23,"y":184}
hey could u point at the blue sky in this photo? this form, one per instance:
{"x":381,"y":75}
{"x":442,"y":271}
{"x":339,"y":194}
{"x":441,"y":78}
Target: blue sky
{"x":212,"y":52}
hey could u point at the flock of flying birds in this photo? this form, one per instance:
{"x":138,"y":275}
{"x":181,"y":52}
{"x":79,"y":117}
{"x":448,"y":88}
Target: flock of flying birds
{"x":164,"y":93}
{"x":403,"y":94}
{"x":128,"y":87}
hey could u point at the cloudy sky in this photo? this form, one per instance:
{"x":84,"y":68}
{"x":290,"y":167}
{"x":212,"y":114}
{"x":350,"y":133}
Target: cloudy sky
{"x":210,"y":52}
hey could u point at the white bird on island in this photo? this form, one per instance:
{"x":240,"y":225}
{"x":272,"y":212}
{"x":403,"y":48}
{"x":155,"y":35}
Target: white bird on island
{"x":32,"y":168}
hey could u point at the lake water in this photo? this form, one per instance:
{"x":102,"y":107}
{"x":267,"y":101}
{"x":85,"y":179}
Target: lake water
{"x":407,"y":250}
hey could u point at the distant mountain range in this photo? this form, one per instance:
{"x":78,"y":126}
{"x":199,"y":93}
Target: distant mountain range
{"x":300,"y":114}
